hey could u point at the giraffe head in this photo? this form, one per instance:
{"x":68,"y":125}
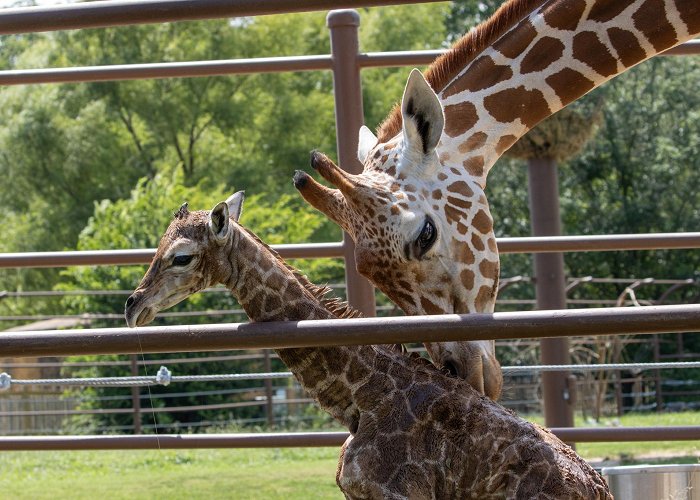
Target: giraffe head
{"x":192,"y":255}
{"x":422,"y":227}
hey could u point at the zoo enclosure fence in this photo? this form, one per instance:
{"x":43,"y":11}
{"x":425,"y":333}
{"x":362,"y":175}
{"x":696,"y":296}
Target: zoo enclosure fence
{"x":345,"y":61}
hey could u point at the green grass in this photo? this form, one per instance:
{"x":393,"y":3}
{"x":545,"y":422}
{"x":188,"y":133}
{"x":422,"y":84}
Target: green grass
{"x":251,"y":474}
{"x":170,"y":475}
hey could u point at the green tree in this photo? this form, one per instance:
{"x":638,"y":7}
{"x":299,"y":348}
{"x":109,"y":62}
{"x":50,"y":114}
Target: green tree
{"x":138,"y":222}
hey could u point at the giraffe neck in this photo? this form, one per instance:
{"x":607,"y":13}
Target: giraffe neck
{"x":270,"y":290}
{"x":533,"y":58}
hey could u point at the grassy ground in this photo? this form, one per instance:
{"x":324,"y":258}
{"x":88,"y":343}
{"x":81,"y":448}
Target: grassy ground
{"x":248,"y":474}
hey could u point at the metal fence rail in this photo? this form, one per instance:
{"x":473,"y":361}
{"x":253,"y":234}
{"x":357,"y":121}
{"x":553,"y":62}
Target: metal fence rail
{"x":193,"y":69}
{"x":594,"y":243}
{"x":275,"y":334}
{"x":118,"y":13}
{"x":304,"y":439}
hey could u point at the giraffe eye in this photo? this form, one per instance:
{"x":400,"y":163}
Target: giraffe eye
{"x":426,"y":238}
{"x":182,"y":260}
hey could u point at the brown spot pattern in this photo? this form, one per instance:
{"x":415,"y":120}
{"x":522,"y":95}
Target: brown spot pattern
{"x":690,"y":14}
{"x":437,"y":194}
{"x":565,"y":15}
{"x":519,"y":40}
{"x":488,"y":268}
{"x":475,"y":141}
{"x":474,"y":165}
{"x":458,"y":202}
{"x":651,"y":20}
{"x":454,"y":214}
{"x":493,"y":246}
{"x":569,"y":85}
{"x":604,"y":10}
{"x":429,"y":307}
{"x":508,"y":105}
{"x":467,"y":278}
{"x":504,"y":143}
{"x":482,"y":74}
{"x":627,"y":46}
{"x":546,"y":51}
{"x":482,"y":222}
{"x":459,"y":118}
{"x":588,"y":49}
{"x":460,"y":187}
{"x":484,"y":296}
{"x":478,"y":243}
{"x":465,"y":255}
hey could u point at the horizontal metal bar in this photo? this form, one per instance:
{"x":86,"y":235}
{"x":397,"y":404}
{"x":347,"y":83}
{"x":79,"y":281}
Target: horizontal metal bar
{"x":165,"y":70}
{"x":304,"y":439}
{"x":689,"y":48}
{"x":627,"y":434}
{"x":612,"y":242}
{"x":439,"y":328}
{"x":145,"y":255}
{"x":122,"y":12}
{"x":319,"y":250}
{"x":236,"y":66}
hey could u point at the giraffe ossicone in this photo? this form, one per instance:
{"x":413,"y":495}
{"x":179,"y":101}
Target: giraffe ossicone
{"x":416,"y":432}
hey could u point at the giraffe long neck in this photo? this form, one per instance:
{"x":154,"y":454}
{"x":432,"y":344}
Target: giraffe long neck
{"x":555,"y":54}
{"x":269,"y":290}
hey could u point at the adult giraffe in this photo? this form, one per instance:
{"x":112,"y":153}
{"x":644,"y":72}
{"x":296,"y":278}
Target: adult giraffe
{"x":418,"y":213}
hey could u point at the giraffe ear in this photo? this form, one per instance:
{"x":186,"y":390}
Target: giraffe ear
{"x":365,"y":143}
{"x":235,"y":205}
{"x":218,"y":222}
{"x":423,"y":118}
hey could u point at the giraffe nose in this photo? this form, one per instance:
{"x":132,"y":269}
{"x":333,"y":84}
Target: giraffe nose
{"x":130,"y":301}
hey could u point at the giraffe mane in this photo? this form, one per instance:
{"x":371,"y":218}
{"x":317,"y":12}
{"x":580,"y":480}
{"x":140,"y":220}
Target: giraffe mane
{"x":334,"y":305}
{"x":446,"y":67}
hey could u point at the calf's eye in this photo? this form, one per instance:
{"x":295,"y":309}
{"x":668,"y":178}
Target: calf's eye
{"x":182,"y":260}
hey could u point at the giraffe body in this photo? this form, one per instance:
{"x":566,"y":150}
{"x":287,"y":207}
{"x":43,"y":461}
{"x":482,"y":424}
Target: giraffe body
{"x":416,"y":432}
{"x":418,"y":212}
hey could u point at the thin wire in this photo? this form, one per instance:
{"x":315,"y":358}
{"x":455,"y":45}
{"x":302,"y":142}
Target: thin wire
{"x":152,"y":380}
{"x":150,"y":396}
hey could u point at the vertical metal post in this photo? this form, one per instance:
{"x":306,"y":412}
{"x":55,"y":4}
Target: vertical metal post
{"x":349,"y":117}
{"x":550,"y":288}
{"x":268,"y":390}
{"x":135,"y":395}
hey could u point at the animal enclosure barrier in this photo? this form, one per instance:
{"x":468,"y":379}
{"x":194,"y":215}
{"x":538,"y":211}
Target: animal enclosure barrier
{"x":345,"y":61}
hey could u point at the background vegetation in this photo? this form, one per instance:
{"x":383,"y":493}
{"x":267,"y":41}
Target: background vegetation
{"x":104,"y":165}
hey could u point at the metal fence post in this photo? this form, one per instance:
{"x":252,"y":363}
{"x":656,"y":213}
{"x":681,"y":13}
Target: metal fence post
{"x":349,"y":117}
{"x":550,"y":288}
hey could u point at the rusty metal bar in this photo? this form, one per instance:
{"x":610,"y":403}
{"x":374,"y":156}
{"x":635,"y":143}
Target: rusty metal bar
{"x":304,"y":439}
{"x":165,"y":70}
{"x":599,"y":243}
{"x":689,"y":48}
{"x":118,"y":13}
{"x":550,"y":288}
{"x":389,"y":330}
{"x":192,"y":69}
{"x":144,"y":256}
{"x":615,"y":242}
{"x":349,"y":117}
